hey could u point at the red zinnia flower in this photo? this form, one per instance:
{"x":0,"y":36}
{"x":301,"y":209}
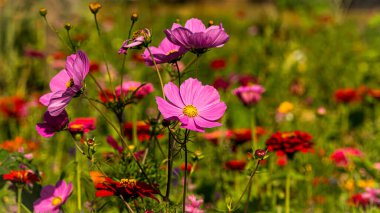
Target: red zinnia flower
{"x":347,"y":95}
{"x":218,"y":64}
{"x":289,"y":142}
{"x":374,"y":93}
{"x":128,"y":188}
{"x":189,"y":167}
{"x":21,"y":176}
{"x":240,"y":136}
{"x":13,"y":107}
{"x":82,"y":125}
{"x":236,"y":165}
{"x":214,"y":136}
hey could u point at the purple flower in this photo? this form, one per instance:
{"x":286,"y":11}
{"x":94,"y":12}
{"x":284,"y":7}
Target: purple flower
{"x":53,"y":197}
{"x":195,"y":37}
{"x":196,"y":106}
{"x":139,"y":39}
{"x":249,"y":95}
{"x":51,"y":124}
{"x":67,"y":83}
{"x":166,"y":52}
{"x":193,"y":205}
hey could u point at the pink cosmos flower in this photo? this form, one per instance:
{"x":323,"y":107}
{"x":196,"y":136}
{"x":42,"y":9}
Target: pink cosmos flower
{"x":130,"y":86}
{"x":51,"y":124}
{"x":67,"y":83}
{"x":196,"y":106}
{"x":372,"y":195}
{"x":341,"y":157}
{"x":195,"y":37}
{"x":138,"y":39}
{"x":53,"y":197}
{"x":193,"y":205}
{"x":166,"y":52}
{"x":249,"y":95}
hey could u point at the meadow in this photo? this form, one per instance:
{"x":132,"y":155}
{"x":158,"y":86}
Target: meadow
{"x":181,"y":106}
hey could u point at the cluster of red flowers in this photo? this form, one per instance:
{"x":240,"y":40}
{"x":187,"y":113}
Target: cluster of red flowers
{"x":235,"y":165}
{"x":13,"y":107}
{"x":129,"y":189}
{"x":143,"y":131}
{"x":351,"y":95}
{"x":290,"y":142}
{"x":237,"y":136}
{"x":21,"y":176}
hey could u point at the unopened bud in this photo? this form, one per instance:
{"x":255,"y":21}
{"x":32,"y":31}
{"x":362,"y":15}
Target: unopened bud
{"x":210,"y":23}
{"x":260,"y":154}
{"x":165,"y":123}
{"x":95,"y":7}
{"x":177,"y":21}
{"x":43,"y":12}
{"x":134,"y":17}
{"x":90,"y":142}
{"x":68,"y":26}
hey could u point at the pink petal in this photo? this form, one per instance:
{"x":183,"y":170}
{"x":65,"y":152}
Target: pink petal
{"x":179,"y":36}
{"x":45,"y":130}
{"x":213,"y":112}
{"x":218,"y":36}
{"x":59,"y":81}
{"x":58,"y":103}
{"x":189,"y":89}
{"x":208,"y":95}
{"x":45,"y":99}
{"x":172,"y":93}
{"x":201,"y":122}
{"x":195,"y":25}
{"x":192,"y":126}
{"x":169,"y":111}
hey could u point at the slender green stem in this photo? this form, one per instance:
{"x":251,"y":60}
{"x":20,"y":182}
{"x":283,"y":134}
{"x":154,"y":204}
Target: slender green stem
{"x":169,"y":177}
{"x":97,"y":24}
{"x":71,"y":41}
{"x":287,"y":192}
{"x":249,"y":182}
{"x":77,"y":174}
{"x":126,"y":204}
{"x":190,"y":64}
{"x":197,"y":66}
{"x":134,"y":125}
{"x":57,"y":33}
{"x":158,"y":72}
{"x":124,"y":142}
{"x":25,"y":208}
{"x":19,"y":198}
{"x":179,"y":73}
{"x":253,"y":129}
{"x":98,"y":85}
{"x":187,"y":132}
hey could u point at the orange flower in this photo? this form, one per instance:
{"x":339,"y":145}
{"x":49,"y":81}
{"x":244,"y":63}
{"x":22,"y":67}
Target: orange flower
{"x":97,"y":177}
{"x":14,"y":145}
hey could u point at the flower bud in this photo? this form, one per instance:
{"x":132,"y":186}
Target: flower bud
{"x":95,"y":7}
{"x":210,"y":23}
{"x":68,"y":26}
{"x":260,"y":154}
{"x":43,"y":12}
{"x":90,"y":142}
{"x":177,"y":21}
{"x":134,"y":17}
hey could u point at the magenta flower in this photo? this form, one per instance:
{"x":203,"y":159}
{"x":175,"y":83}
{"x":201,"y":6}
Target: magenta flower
{"x":139,"y":39}
{"x":53,"y":197}
{"x":372,"y":195}
{"x":195,"y":37}
{"x":196,"y":106}
{"x":112,"y":142}
{"x":193,"y":205}
{"x":249,"y":95}
{"x":341,"y":157}
{"x":130,"y":86}
{"x":51,"y":124}
{"x":166,"y":52}
{"x":67,"y":83}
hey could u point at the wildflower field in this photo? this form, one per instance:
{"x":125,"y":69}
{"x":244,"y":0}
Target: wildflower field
{"x":182,"y":106}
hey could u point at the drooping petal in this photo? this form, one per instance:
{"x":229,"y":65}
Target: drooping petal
{"x":81,"y":66}
{"x":58,"y":103}
{"x":59,"y":81}
{"x":218,"y":36}
{"x":195,"y":25}
{"x":189,"y":89}
{"x":45,"y":99}
{"x":136,"y":42}
{"x":204,"y":123}
{"x":169,"y":111}
{"x":172,"y":93}
{"x":179,"y":36}
{"x":213,"y":112}
{"x":191,"y":125}
{"x":47,"y":191}
{"x":45,"y":130}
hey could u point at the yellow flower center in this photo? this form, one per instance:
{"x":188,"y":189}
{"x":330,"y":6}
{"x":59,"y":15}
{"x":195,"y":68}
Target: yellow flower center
{"x":56,"y":201}
{"x":171,"y":52}
{"x":190,"y":111}
{"x":70,"y":83}
{"x":125,"y":182}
